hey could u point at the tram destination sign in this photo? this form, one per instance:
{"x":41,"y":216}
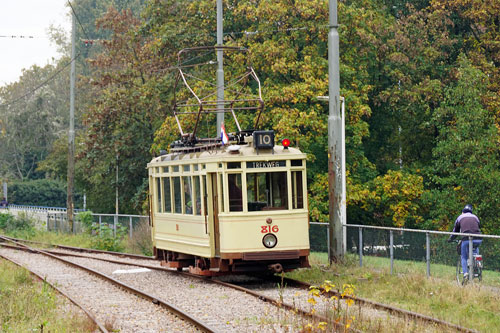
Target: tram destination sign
{"x":263,"y":139}
{"x":266,"y":164}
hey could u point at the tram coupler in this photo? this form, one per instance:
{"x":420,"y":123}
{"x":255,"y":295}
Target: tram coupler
{"x":276,"y":268}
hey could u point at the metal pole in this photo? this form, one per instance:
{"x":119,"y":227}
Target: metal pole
{"x":220,"y":69}
{"x":100,"y":222}
{"x":328,"y":242}
{"x":116,"y":187}
{"x":71,"y":133}
{"x":334,"y":139}
{"x":5,"y":191}
{"x":344,"y":190}
{"x":360,"y":247}
{"x":428,"y":253}
{"x":115,"y":222}
{"x":130,"y":226}
{"x":391,"y":249}
{"x":471,"y":271}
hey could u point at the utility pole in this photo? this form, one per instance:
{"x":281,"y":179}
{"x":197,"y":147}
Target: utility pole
{"x":116,"y":187}
{"x":220,"y":69}
{"x":336,"y":229}
{"x":71,"y":133}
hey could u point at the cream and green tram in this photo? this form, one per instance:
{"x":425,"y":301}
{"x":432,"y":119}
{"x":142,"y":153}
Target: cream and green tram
{"x":230,"y":209}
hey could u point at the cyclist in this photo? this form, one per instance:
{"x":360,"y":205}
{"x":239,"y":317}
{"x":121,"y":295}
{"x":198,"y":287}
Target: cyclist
{"x":467,"y":223}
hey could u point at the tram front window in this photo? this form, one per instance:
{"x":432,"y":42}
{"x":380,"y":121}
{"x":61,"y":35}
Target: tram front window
{"x":267,"y":191}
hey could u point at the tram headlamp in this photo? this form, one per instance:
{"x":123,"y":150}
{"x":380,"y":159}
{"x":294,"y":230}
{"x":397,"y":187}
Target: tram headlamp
{"x":269,"y":241}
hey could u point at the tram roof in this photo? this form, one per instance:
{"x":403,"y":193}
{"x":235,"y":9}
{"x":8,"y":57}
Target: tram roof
{"x":245,"y":152}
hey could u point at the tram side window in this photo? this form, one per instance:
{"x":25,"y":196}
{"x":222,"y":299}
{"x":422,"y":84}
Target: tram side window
{"x":158,"y":195}
{"x":166,"y":195}
{"x":177,"y":195}
{"x":188,"y":195}
{"x":235,"y":196}
{"x":197,"y":195}
{"x":297,"y":190}
{"x":267,"y":191}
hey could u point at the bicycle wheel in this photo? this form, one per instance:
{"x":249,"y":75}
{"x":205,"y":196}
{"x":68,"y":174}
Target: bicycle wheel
{"x":460,"y":274}
{"x":479,"y":272}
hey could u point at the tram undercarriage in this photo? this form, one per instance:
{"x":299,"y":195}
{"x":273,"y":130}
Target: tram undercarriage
{"x":236,"y":263}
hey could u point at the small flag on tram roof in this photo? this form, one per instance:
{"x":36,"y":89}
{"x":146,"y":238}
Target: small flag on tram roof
{"x":223,"y":135}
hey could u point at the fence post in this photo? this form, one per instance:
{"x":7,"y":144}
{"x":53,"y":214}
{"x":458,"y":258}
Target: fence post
{"x":115,"y":222}
{"x":391,"y":249}
{"x":360,"y":247}
{"x":471,"y":270}
{"x":428,"y":253}
{"x":130,"y":226}
{"x":48,"y":221}
{"x":100,"y":222}
{"x":328,"y":242}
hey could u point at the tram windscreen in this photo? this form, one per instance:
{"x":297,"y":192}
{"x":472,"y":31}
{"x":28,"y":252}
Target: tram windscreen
{"x":267,"y":191}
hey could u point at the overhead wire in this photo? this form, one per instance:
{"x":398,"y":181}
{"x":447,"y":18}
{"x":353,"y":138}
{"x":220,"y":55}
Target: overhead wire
{"x":41,"y":84}
{"x":78,"y":20}
{"x":160,"y":70}
{"x":53,"y":76}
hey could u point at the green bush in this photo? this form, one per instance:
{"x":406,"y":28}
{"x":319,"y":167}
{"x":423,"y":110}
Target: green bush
{"x":6,"y":219}
{"x":40,"y":192}
{"x":105,"y":240}
{"x":20,"y":227}
{"x":85,"y":219}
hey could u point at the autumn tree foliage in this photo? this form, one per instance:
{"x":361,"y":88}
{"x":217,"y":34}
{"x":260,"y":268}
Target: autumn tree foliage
{"x":420,"y":80}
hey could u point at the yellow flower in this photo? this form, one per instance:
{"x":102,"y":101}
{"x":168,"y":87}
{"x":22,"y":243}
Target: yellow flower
{"x":322,"y":325}
{"x":311,"y":300}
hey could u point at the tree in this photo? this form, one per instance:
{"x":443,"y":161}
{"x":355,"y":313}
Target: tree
{"x":31,"y":119}
{"x":466,"y":156}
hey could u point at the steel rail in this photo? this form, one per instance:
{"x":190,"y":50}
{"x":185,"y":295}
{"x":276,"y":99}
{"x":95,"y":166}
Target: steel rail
{"x":81,"y":249}
{"x":178,"y":312}
{"x":71,"y":299}
{"x":380,"y":306}
{"x":250,"y":292}
{"x":291,"y":282}
{"x":296,"y":283}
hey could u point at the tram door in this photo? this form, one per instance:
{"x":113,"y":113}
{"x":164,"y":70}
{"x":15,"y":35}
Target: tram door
{"x":214,"y":210}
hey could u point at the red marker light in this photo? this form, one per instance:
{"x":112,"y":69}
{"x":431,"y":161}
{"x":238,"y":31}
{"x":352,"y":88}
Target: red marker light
{"x":285,"y":143}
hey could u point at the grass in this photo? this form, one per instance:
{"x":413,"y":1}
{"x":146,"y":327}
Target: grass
{"x":475,"y":306}
{"x":140,"y":243}
{"x":29,"y":305}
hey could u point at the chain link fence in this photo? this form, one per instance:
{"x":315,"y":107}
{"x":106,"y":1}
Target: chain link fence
{"x":428,"y":246}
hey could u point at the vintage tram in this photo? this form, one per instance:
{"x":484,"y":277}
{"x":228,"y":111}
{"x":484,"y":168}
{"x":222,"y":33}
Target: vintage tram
{"x":230,"y":206}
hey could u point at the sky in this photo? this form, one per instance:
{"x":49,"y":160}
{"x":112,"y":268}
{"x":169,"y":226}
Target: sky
{"x":29,"y":18}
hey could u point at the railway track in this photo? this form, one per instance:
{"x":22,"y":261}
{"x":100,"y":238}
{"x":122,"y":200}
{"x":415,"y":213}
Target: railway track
{"x":119,"y":298}
{"x":277,"y":301}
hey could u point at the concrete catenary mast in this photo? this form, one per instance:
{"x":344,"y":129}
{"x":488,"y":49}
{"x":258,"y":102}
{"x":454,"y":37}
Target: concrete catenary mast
{"x":335,"y":172}
{"x":220,"y":68}
{"x":71,"y":133}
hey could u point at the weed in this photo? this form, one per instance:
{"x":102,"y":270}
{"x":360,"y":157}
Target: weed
{"x":31,"y":306}
{"x":105,"y":238}
{"x":141,"y":241}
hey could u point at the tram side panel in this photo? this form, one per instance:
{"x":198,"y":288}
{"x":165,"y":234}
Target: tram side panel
{"x":182,"y":234}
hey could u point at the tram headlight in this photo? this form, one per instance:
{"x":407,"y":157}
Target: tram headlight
{"x":269,"y":241}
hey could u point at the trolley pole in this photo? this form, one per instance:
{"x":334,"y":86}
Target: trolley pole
{"x":71,"y":133}
{"x":220,"y":69}
{"x":334,"y":140}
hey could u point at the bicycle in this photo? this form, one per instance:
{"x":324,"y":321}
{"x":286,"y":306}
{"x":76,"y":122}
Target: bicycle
{"x":477,"y":265}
